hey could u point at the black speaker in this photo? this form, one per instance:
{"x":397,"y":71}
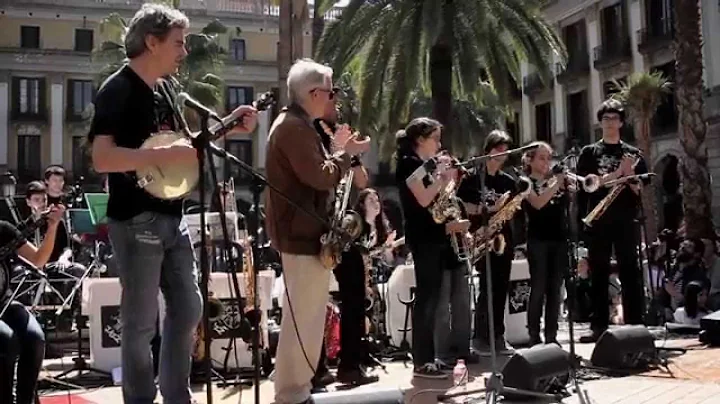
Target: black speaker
{"x":710,"y":325}
{"x":541,"y":368}
{"x":392,"y":395}
{"x":629,"y":347}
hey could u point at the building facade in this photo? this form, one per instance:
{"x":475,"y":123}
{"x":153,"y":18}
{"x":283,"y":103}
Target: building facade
{"x":607,"y":40}
{"x":48,"y":78}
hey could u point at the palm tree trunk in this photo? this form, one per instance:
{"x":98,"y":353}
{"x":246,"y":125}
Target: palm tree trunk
{"x":299,"y":17}
{"x":318,"y":26}
{"x":648,"y":191}
{"x":697,"y":196}
{"x":441,"y":65}
{"x":284,"y":48}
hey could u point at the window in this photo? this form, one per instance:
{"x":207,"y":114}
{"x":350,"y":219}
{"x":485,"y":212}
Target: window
{"x":237,"y":49}
{"x":81,"y":162}
{"x":29,"y":37}
{"x":543,"y":122}
{"x":577,"y":119}
{"x":80,"y":95}
{"x":83,"y":40}
{"x":28,"y":97}
{"x":666,"y":116}
{"x":575,"y":40}
{"x":613,"y":26}
{"x":28,"y":160}
{"x":238,"y":96}
{"x":242,"y":149}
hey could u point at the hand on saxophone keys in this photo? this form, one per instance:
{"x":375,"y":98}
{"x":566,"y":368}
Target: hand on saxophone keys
{"x":457,"y":226}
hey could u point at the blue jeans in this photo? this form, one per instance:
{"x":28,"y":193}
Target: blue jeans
{"x":452,"y":327}
{"x":153,"y":252}
{"x":22,"y":341}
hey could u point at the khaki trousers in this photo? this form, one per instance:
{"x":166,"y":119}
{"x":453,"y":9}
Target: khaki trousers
{"x":307,"y":284}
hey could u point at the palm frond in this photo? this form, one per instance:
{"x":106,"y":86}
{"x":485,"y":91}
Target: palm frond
{"x":643,"y":93}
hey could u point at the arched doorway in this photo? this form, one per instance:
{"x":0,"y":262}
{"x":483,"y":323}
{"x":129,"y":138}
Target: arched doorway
{"x":668,"y":193}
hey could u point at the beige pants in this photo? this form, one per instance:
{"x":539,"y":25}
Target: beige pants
{"x":307,"y":287}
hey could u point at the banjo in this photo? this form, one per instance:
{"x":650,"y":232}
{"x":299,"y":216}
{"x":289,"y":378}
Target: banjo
{"x":173,"y":181}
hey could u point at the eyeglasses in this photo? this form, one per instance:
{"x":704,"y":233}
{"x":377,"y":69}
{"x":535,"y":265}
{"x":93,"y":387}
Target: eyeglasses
{"x":610,"y":118}
{"x":331,"y":92}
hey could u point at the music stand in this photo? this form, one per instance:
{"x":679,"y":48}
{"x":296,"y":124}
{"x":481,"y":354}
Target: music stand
{"x":89,"y":219}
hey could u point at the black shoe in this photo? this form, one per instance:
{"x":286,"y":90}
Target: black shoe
{"x":355,"y":377}
{"x":429,"y":371}
{"x":322,"y":380}
{"x":535,"y":340}
{"x":591,"y":337}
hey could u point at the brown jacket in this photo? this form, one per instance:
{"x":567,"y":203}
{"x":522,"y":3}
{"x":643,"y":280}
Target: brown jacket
{"x":299,"y":166}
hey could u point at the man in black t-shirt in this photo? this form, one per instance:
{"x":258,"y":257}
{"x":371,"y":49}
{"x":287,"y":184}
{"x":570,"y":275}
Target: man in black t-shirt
{"x":149,"y":237}
{"x":500,"y":187}
{"x":22,"y":341}
{"x":611,"y":159}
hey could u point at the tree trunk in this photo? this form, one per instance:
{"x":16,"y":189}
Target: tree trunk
{"x":318,"y":26}
{"x":300,"y":14}
{"x":284,"y":49}
{"x":441,"y":64}
{"x":648,"y":191}
{"x":697,"y":196}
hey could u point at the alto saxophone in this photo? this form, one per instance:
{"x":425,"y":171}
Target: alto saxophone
{"x":491,"y":237}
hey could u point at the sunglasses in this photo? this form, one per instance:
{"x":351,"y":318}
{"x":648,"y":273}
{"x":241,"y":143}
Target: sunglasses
{"x":331,"y":93}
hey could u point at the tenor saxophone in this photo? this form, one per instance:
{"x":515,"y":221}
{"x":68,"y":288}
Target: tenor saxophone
{"x":491,"y":237}
{"x":605,"y":203}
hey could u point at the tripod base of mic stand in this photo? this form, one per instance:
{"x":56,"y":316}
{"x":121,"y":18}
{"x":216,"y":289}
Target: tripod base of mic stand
{"x":494,"y":389}
{"x":80,"y":366}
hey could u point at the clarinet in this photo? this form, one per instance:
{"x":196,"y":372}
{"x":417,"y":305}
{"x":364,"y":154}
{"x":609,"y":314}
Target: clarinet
{"x":28,"y":228}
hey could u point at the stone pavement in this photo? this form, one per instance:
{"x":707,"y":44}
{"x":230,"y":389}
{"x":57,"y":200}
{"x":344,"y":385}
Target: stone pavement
{"x":656,"y":389}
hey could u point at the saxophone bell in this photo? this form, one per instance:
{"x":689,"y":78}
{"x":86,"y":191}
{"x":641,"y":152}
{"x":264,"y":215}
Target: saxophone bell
{"x":499,"y":244}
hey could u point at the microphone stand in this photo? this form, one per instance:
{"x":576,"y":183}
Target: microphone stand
{"x":494,"y":387}
{"x":572,"y":245}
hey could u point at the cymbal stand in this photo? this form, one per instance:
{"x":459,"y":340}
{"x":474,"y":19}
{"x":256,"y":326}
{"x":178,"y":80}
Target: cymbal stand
{"x":494,"y":387}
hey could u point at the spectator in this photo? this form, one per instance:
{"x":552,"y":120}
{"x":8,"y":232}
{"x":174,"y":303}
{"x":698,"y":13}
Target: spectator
{"x":695,"y":308}
{"x":712,"y":263}
{"x":690,"y":268}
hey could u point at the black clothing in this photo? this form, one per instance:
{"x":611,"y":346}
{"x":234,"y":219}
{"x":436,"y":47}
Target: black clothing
{"x":55,"y":200}
{"x":547,"y":261}
{"x":602,"y":158}
{"x":130,"y":111}
{"x":8,"y":234}
{"x":501,"y":266}
{"x":614,"y":230}
{"x":22,"y":342}
{"x":548,"y":222}
{"x":496,"y":185}
{"x":350,"y":275}
{"x":420,"y":227}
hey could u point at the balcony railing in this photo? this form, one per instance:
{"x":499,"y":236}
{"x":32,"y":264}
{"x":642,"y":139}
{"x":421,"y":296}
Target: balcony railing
{"x":616,"y":50}
{"x":578,"y":66}
{"x":533,"y":84}
{"x":653,"y":38}
{"x":211,"y":7}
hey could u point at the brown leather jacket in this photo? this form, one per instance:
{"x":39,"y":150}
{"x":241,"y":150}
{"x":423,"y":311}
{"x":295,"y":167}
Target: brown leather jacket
{"x":299,"y":166}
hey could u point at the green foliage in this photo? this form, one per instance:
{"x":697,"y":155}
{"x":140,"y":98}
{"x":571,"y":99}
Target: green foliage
{"x":389,"y":41}
{"x":643,"y":93}
{"x":198,"y":74}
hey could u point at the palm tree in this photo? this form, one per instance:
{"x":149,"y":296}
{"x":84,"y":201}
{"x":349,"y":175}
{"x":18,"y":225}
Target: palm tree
{"x":643,"y":93}
{"x":454,"y":43}
{"x":293,"y":15}
{"x":697,"y":195}
{"x":197,"y":75}
{"x":318,"y":21}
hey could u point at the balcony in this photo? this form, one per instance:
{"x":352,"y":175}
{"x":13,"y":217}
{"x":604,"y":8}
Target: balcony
{"x":533,"y":84}
{"x":578,"y":66}
{"x":615,"y":51}
{"x":654,"y":38}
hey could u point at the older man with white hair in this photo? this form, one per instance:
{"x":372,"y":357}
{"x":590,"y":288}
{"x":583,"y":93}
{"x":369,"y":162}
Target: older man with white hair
{"x":302,"y":168}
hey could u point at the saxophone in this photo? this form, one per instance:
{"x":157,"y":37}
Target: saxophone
{"x":345,"y":225}
{"x":490,"y":237}
{"x":605,"y":203}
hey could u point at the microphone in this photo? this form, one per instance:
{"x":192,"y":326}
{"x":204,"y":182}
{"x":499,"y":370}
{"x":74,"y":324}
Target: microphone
{"x":186,"y":100}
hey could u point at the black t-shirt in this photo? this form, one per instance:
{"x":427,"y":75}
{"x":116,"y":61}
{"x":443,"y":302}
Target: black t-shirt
{"x":8,"y":233}
{"x":548,"y":222}
{"x":420,"y":227}
{"x":604,"y":158}
{"x":130,"y":111}
{"x":496,"y":185}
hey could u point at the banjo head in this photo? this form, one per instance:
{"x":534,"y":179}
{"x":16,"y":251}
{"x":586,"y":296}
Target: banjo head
{"x":168,"y":181}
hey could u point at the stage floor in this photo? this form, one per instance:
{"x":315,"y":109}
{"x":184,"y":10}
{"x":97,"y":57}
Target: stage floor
{"x":689,"y":383}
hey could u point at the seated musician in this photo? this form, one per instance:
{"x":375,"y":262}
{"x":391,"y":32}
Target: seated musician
{"x":22,"y":341}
